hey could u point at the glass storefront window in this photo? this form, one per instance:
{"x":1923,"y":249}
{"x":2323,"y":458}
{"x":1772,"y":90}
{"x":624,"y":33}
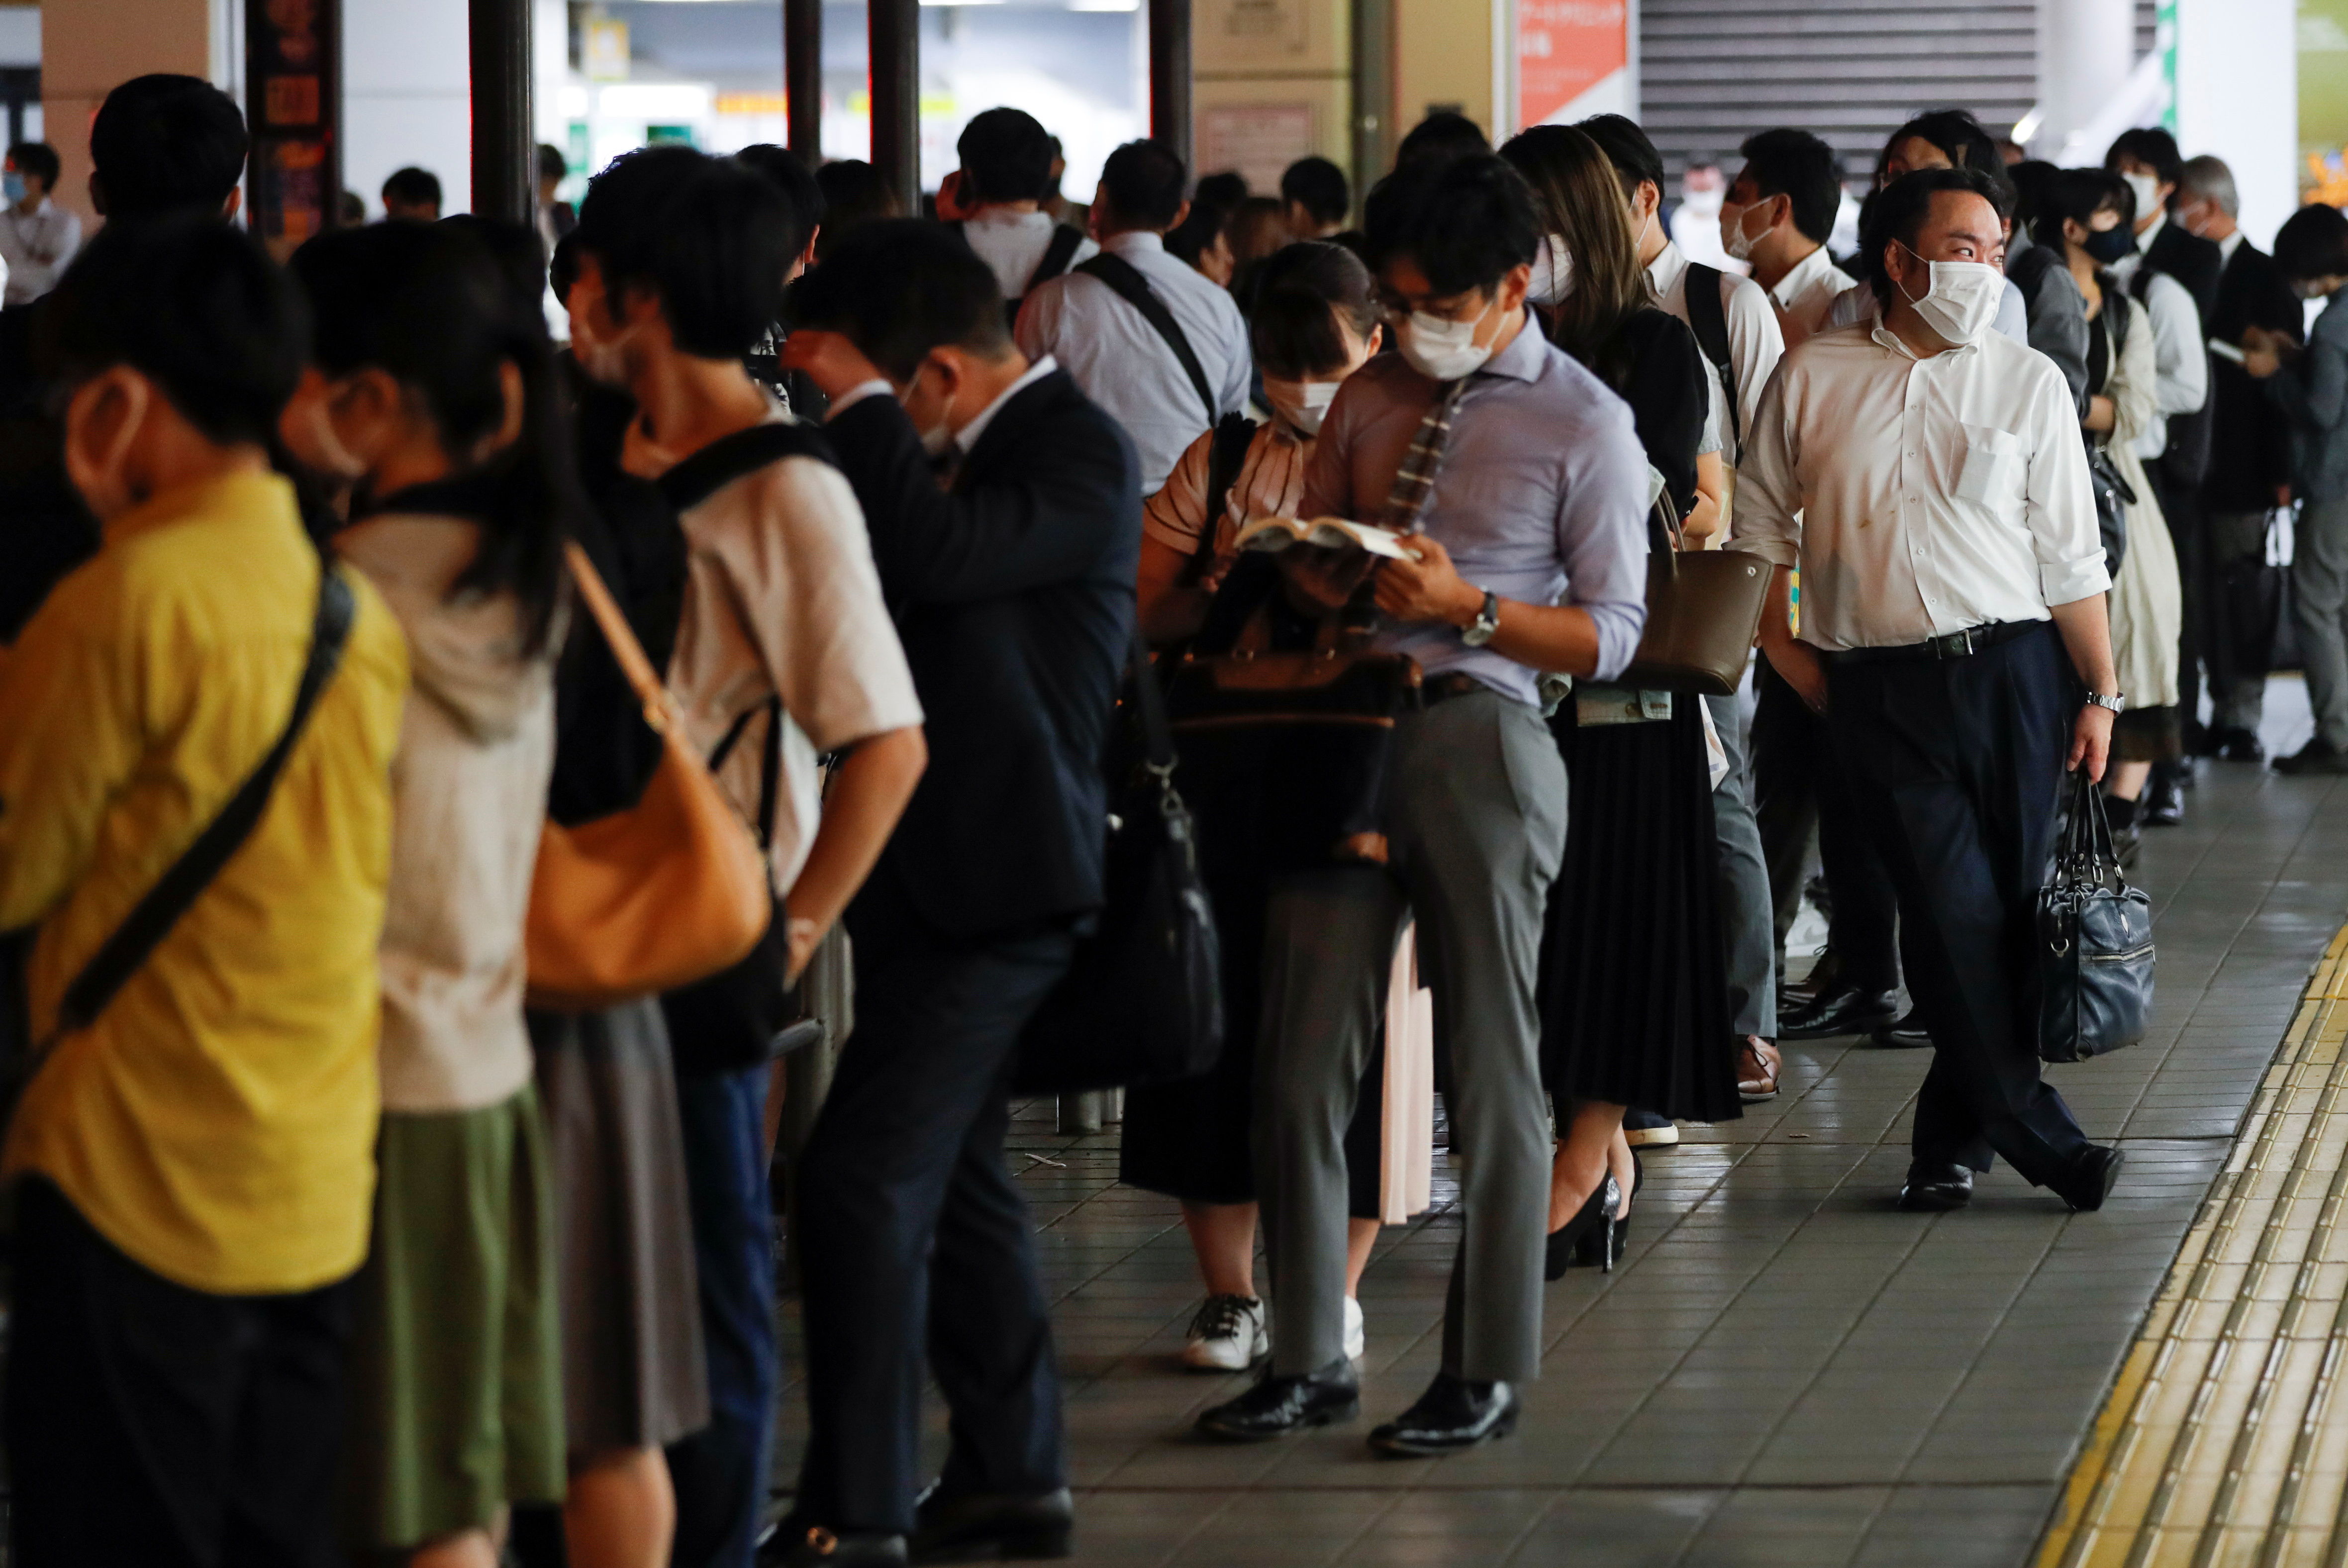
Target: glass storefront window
{"x":710,"y":72}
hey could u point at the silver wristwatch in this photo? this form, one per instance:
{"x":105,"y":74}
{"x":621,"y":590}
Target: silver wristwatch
{"x":1486,"y":623}
{"x":2116,"y":702}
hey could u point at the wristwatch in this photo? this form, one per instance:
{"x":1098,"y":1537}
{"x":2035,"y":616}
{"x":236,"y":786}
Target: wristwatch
{"x":2116,"y":702}
{"x":1486,"y":623}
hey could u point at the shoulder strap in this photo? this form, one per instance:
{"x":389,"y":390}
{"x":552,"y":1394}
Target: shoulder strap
{"x":730,"y":457}
{"x":770,"y":770}
{"x":1134,"y":289}
{"x":151,"y":918}
{"x":1709,"y":321}
{"x":1057,"y":255}
{"x":1226,"y":455}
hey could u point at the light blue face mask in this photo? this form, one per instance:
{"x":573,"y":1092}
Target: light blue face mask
{"x":11,"y":185}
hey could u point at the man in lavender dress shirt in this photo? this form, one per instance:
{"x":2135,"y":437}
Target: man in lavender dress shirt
{"x":1532,"y":561}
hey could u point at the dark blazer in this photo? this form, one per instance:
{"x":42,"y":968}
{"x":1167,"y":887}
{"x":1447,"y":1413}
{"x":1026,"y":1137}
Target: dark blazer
{"x":2249,"y":438}
{"x":1013,"y":597}
{"x":2192,"y":260}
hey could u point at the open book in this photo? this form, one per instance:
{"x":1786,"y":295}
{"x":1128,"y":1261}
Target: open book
{"x":1329,"y":532}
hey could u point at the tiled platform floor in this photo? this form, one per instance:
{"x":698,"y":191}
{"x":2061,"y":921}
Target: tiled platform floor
{"x":1787,"y":1370}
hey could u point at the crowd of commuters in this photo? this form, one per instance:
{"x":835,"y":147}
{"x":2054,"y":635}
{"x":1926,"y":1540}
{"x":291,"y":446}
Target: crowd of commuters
{"x":337,"y":1236}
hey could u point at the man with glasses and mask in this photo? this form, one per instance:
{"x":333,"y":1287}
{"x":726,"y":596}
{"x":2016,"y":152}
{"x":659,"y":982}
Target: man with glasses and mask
{"x":1526,"y":484}
{"x":1926,"y":476}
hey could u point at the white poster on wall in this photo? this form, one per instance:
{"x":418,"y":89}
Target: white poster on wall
{"x":1259,"y":139}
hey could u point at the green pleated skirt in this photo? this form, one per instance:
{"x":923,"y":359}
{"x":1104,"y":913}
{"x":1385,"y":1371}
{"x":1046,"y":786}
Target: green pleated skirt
{"x":457,"y":1378}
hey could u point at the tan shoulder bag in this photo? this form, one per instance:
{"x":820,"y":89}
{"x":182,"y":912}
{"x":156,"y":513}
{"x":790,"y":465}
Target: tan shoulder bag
{"x":668,"y":892}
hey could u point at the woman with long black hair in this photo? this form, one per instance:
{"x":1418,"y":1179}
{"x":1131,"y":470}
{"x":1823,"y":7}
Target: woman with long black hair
{"x":436,"y":395}
{"x":1634,"y":1000}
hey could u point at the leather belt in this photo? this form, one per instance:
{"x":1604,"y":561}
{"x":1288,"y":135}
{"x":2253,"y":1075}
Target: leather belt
{"x":1955,"y":645}
{"x":1442,"y":688}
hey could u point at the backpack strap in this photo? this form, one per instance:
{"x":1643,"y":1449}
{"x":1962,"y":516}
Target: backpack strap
{"x":1708,"y":319}
{"x":1130,"y":286}
{"x":150,"y":920}
{"x":1226,"y":455}
{"x":770,"y":770}
{"x":730,"y":457}
{"x":1057,"y":255}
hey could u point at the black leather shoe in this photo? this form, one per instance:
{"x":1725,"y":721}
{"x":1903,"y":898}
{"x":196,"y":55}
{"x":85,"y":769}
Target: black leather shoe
{"x":2236,"y":746}
{"x":1825,"y":975}
{"x":1935,"y":1188}
{"x":2318,"y":756}
{"x":1906,"y":1033}
{"x":1452,"y":1415}
{"x":812,"y":1546}
{"x":2163,"y":805}
{"x":1279,"y":1407}
{"x":1841,"y":1011}
{"x":991,"y":1527}
{"x":2091,"y":1179}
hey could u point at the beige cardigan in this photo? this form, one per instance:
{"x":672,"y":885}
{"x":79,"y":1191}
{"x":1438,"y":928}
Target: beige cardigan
{"x":468,"y":798}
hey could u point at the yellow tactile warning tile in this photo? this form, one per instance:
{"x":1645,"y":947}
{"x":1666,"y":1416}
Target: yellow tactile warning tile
{"x":2225,"y":1441}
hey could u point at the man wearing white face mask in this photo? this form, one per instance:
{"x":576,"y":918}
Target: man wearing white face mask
{"x":1526,"y":484}
{"x":1013,"y":586}
{"x":2149,"y":160}
{"x":1778,"y":215}
{"x":1926,"y":476}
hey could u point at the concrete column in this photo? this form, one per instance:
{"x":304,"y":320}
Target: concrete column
{"x":88,"y":48}
{"x":2238,"y":96}
{"x":2086,"y":50}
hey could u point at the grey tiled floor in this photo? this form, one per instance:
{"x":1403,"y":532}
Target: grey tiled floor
{"x":1787,"y":1370}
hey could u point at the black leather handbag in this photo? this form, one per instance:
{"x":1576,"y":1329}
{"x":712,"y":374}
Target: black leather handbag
{"x":1143,"y":1003}
{"x":2094,"y":943}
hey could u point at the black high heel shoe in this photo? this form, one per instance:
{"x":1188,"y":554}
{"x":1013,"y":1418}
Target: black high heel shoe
{"x":1595,"y":1217}
{"x":1586,"y":1252}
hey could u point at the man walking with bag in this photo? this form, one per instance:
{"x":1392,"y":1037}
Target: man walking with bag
{"x":1926,"y":476}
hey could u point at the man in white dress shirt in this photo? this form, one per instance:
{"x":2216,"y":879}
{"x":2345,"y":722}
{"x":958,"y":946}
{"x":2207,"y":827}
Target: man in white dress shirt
{"x":1164,"y":387}
{"x":1926,"y":476}
{"x":1006,"y":173}
{"x":1780,"y":211}
{"x":38,"y":237}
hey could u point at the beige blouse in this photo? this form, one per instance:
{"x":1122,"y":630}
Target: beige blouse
{"x":1271,"y":483}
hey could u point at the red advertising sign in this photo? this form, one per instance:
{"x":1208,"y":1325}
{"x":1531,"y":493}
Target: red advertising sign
{"x":1565,"y":48}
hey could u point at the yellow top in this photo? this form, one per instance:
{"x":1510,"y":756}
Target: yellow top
{"x":217,"y":1122}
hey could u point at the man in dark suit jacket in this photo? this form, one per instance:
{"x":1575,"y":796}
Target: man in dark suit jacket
{"x":1012,"y":583}
{"x":2249,"y":472}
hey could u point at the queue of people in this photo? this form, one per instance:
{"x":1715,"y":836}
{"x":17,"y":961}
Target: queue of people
{"x":341,"y":1234}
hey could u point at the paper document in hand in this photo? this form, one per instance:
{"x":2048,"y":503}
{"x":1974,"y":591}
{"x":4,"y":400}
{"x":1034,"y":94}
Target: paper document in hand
{"x":1329,"y":532}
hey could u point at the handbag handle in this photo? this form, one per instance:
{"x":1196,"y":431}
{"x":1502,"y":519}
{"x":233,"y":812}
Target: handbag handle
{"x":660,"y":708}
{"x":2089,"y":853}
{"x":1157,"y":733}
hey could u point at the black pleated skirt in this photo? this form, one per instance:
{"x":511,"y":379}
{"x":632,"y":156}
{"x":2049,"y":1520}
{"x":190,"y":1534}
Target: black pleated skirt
{"x":1635,"y":991}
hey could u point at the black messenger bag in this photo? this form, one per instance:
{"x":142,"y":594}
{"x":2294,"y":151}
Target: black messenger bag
{"x":2094,"y":943}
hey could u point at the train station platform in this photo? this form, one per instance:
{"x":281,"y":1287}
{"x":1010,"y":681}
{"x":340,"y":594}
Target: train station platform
{"x":1785,"y":1369}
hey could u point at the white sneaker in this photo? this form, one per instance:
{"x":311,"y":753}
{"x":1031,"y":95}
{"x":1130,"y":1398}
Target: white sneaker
{"x":1228,"y":1335}
{"x":1357,"y":1339}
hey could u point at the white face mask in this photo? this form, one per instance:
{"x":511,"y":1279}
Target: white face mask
{"x":1442,"y":350}
{"x":1552,"y":272}
{"x":1303,"y":404}
{"x":1702,"y":203}
{"x":937,"y":439}
{"x":2147,"y":194}
{"x":1961,"y":300}
{"x":1733,"y":237}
